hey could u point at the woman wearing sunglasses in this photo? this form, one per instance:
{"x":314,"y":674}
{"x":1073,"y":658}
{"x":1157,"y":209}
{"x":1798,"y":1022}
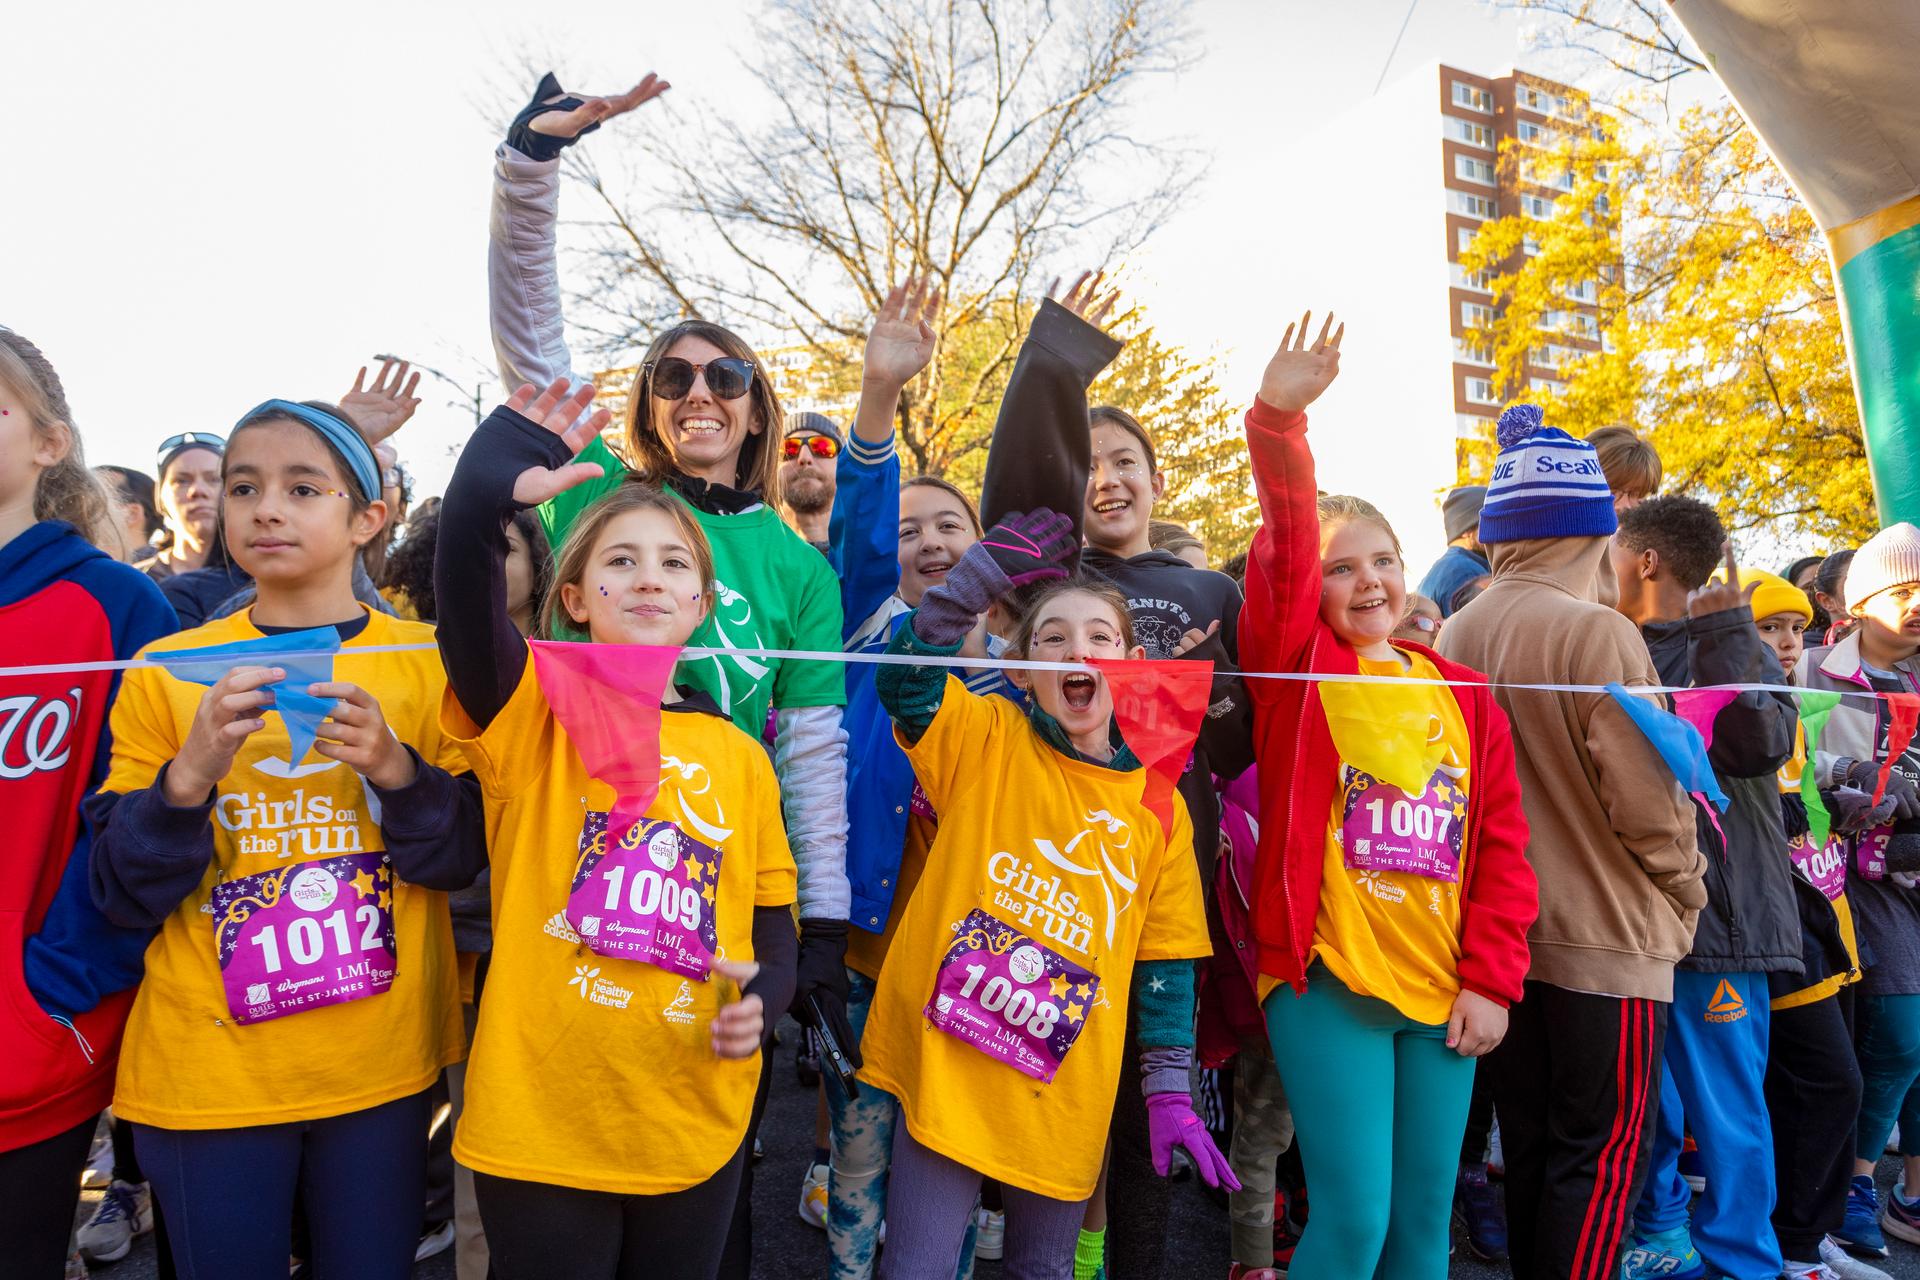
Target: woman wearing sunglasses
{"x":703,"y":423}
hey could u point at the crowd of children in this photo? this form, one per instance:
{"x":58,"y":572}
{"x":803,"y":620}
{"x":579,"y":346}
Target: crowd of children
{"x":406,"y":810}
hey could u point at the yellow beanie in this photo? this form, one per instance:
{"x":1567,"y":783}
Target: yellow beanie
{"x":1775,"y":594}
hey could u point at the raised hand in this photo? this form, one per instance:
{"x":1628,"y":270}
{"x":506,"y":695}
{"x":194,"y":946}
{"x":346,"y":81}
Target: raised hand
{"x":565,"y":415}
{"x":556,"y":114}
{"x":1030,"y":547}
{"x":1085,"y":297}
{"x":1299,"y":372}
{"x":1716,"y":597}
{"x":383,"y":408}
{"x":902,"y":338}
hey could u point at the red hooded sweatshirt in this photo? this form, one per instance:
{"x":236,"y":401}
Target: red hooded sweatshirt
{"x":1281,"y":630}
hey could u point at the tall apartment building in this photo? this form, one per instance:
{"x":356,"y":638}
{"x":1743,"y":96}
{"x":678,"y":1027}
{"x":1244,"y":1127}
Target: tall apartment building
{"x":1375,"y":230}
{"x":1479,"y":116}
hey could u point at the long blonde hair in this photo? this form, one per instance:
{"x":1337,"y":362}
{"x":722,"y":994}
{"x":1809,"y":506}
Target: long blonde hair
{"x":571,"y":564}
{"x":67,"y":490}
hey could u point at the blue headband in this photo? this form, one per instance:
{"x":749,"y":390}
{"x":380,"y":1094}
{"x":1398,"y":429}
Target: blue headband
{"x":335,"y":431}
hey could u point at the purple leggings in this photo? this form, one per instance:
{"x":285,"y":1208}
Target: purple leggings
{"x":930,"y":1200}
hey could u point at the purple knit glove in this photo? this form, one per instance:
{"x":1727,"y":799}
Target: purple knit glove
{"x":1030,"y":546}
{"x":1172,"y":1123}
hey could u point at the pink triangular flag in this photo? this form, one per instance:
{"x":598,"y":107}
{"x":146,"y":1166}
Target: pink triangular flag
{"x":1698,"y":707}
{"x":607,"y":698}
{"x":1159,"y":706}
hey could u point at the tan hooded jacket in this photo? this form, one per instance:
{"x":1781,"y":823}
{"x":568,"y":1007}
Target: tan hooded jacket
{"x":1612,"y":833}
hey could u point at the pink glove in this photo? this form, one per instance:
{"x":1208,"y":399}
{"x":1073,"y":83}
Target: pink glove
{"x":1171,"y":1123}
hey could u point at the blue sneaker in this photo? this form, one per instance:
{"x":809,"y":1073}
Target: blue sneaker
{"x":1901,"y":1218}
{"x":1859,"y":1233}
{"x":1668,"y":1255}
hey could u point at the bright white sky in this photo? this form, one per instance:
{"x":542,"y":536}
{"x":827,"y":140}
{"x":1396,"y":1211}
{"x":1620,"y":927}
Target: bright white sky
{"x":206,"y":211}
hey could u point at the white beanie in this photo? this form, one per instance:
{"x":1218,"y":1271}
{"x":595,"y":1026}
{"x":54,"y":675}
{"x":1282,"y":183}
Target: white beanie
{"x":1890,"y":558}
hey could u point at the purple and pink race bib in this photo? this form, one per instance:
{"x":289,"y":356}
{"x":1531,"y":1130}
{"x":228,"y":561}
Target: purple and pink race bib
{"x":1384,"y":829}
{"x":1826,"y":868}
{"x":305,"y":936}
{"x":649,"y":898}
{"x":1011,"y":997}
{"x":920,"y":806}
{"x":1870,"y":853}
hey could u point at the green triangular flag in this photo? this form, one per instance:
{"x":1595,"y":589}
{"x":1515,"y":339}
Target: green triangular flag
{"x":1814,"y":710}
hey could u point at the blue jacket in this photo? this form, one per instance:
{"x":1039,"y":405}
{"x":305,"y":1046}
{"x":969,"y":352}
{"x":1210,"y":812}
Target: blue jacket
{"x":865,"y":554}
{"x":1451,"y":572}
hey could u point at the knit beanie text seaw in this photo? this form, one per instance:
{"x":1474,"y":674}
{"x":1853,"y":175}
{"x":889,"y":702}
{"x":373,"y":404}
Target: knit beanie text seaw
{"x":1545,"y":484}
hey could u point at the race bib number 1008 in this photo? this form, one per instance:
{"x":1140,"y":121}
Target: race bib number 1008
{"x":1010,"y":997}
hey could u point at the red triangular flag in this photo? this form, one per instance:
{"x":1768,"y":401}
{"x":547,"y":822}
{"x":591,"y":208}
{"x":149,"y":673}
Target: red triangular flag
{"x":607,"y":698}
{"x":1698,"y":707}
{"x":1905,"y":708}
{"x":1159,"y":706}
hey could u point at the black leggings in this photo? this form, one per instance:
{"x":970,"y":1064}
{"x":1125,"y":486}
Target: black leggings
{"x":39,"y":1192}
{"x":537,"y":1231}
{"x":1813,"y":1099}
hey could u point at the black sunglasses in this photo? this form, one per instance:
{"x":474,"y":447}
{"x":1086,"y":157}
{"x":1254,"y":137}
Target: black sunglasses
{"x":670,"y":377}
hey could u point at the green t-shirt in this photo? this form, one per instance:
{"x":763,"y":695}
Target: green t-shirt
{"x":774,"y":591}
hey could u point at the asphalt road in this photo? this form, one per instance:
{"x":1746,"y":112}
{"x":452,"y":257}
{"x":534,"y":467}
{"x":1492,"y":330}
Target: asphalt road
{"x":788,"y":1249}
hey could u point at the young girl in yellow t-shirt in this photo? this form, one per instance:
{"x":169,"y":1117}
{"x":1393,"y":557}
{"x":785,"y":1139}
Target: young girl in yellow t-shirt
{"x":299,"y":998}
{"x":1051,"y":897}
{"x":633,"y":972}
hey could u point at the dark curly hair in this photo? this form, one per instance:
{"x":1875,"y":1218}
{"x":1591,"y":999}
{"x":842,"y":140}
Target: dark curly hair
{"x":1685,"y":531}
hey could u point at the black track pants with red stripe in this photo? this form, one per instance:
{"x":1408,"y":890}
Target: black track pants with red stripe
{"x":1577,"y":1086}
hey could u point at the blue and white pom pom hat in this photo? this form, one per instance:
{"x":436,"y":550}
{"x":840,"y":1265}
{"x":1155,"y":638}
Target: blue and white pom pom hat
{"x":1545,"y":484}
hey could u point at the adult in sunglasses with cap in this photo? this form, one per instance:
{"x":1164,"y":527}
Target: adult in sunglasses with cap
{"x":807,"y":475}
{"x":189,"y":500}
{"x":703,"y":423}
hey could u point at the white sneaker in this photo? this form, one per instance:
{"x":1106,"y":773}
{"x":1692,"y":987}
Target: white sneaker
{"x":125,"y":1212}
{"x":1845,"y":1266}
{"x":434,"y":1242}
{"x":813,"y":1197}
{"x":990,"y":1241}
{"x":76,"y":1268}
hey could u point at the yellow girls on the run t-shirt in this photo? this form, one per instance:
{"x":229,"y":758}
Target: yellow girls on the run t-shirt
{"x":589,"y":1070}
{"x":1389,"y":922}
{"x":191,"y":1059}
{"x":1064,"y":880}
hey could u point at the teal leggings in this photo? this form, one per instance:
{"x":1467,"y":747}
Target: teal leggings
{"x":1371,"y":1091}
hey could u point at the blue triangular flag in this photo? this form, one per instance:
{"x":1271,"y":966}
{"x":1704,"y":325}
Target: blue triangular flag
{"x":307,"y":658}
{"x":1678,"y":743}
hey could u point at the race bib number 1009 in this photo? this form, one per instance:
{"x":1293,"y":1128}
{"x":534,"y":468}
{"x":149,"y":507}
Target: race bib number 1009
{"x":648,"y":896}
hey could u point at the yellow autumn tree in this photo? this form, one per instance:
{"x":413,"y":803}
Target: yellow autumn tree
{"x":1714,"y":303}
